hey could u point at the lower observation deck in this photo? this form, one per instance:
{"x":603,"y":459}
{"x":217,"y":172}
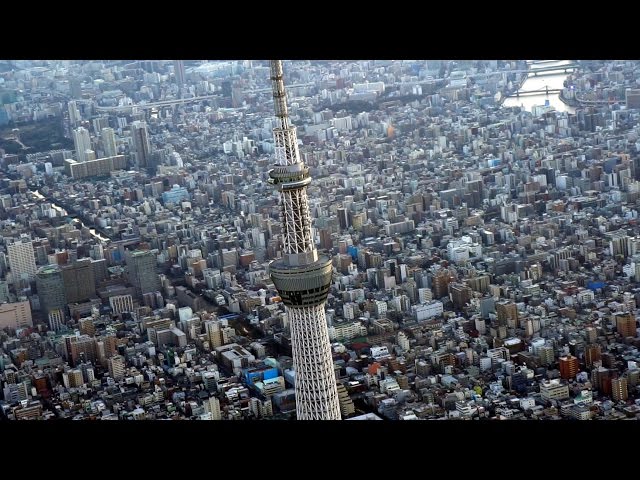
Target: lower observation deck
{"x":302,"y":285}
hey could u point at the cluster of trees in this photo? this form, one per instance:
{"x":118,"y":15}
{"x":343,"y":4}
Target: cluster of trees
{"x":36,"y":136}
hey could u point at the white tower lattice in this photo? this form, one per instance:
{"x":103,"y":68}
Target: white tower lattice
{"x":301,"y":276}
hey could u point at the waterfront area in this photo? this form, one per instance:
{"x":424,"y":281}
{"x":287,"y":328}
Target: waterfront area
{"x":533,"y":83}
{"x":485,"y":252}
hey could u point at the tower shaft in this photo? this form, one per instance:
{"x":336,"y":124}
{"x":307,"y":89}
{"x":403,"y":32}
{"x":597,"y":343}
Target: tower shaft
{"x":301,"y":276}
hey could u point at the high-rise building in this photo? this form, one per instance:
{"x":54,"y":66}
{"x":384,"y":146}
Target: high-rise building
{"x":175,"y":195}
{"x":592,"y":353}
{"x":75,"y":88}
{"x":601,"y":379}
{"x":99,"y":123}
{"x":109,"y":142}
{"x":110,"y":345}
{"x":301,"y":276}
{"x":79,"y":280}
{"x":554,"y":390}
{"x":343,"y":218}
{"x":82,"y":143}
{"x":56,"y":319}
{"x":441,"y":282}
{"x":142,"y":271}
{"x":87,"y":327}
{"x":22,"y":259}
{"x":626,"y":324}
{"x":73,"y":378}
{"x":121,"y":303}
{"x":214,"y":333}
{"x":569,"y":367}
{"x":4,"y":292}
{"x":460,"y":294}
{"x":212,"y":406}
{"x":99,"y":270}
{"x":51,"y":290}
{"x":93,"y":167}
{"x":141,"y":144}
{"x":80,"y":348}
{"x":74,"y":113}
{"x":15,"y":392}
{"x":619,"y":389}
{"x":116,"y":367}
{"x":15,"y":315}
{"x":178,"y":69}
{"x":546,"y":354}
{"x":507,"y":312}
{"x":346,"y":404}
{"x":632,"y":97}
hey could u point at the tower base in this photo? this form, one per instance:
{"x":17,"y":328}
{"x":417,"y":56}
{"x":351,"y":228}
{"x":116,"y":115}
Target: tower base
{"x":316,"y":390}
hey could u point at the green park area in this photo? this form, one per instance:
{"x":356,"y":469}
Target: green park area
{"x":34,"y":137}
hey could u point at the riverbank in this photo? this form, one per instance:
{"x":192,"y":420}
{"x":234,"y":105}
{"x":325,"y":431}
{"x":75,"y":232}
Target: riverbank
{"x":549,"y":84}
{"x":522,"y":81}
{"x":569,"y":101}
{"x":94,"y":230}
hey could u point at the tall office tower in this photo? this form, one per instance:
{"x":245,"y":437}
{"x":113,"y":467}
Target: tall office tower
{"x":141,"y":144}
{"x":178,"y":68}
{"x":301,"y":276}
{"x":82,"y":143}
{"x":50,"y":289}
{"x":22,"y":259}
{"x":142,"y":271}
{"x":109,"y":142}
{"x":74,"y":113}
{"x":79,"y":280}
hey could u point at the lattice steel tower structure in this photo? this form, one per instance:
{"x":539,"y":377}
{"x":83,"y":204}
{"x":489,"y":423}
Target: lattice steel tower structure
{"x":301,"y":276}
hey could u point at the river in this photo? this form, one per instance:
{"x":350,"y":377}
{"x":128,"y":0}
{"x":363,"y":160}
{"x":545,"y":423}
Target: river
{"x":534,"y":83}
{"x":63,"y":212}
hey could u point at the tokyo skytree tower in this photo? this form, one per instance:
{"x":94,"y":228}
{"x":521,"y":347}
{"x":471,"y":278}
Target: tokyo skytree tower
{"x":301,"y":276}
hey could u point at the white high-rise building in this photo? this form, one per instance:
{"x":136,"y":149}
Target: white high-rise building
{"x":214,"y":333}
{"x":116,"y":367}
{"x":212,"y":406}
{"x":22,"y":259}
{"x":82,"y":143}
{"x":56,"y":319}
{"x":121,"y":303}
{"x":74,"y":113}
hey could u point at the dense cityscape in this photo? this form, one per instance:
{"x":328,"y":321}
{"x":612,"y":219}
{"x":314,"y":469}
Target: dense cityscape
{"x":478,"y":220}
